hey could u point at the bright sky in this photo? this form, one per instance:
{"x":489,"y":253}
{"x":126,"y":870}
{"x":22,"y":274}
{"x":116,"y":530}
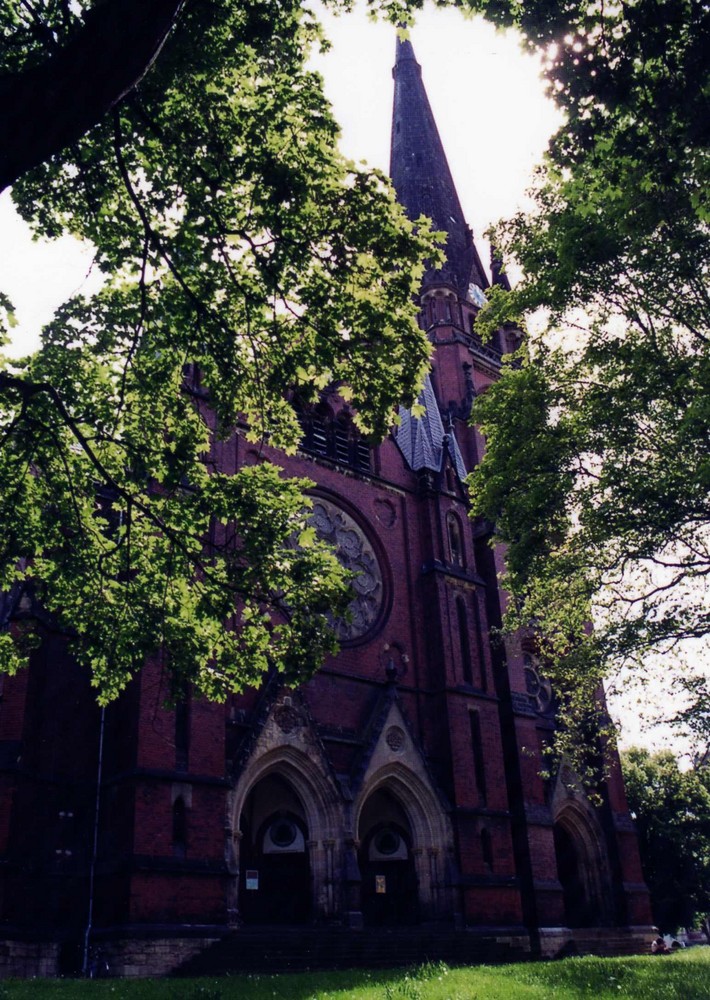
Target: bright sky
{"x":492,"y":115}
{"x":486,"y":96}
{"x":37,"y":275}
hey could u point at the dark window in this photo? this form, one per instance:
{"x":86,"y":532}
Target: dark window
{"x":342,"y":440}
{"x":303,"y":418}
{"x":462,"y":619}
{"x":479,"y":642}
{"x":455,"y":544}
{"x":319,"y":435}
{"x":179,"y":827}
{"x":477,"y":751}
{"x":487,"y":850}
{"x":362,"y":454}
{"x":283,"y":832}
{"x":336,"y":439}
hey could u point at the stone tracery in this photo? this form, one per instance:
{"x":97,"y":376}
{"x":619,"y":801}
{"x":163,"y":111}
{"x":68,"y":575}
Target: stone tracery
{"x":355,"y":553}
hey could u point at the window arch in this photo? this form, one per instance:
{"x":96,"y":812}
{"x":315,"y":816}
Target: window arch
{"x":275,"y":880}
{"x":389,"y":891}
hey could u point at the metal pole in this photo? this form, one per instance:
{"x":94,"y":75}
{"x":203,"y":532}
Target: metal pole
{"x":94,"y":850}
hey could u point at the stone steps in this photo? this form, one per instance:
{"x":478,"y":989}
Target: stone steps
{"x":289,"y":949}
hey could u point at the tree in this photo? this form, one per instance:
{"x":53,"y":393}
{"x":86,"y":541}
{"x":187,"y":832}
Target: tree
{"x":63,"y":72}
{"x":245,"y":263}
{"x":672,"y":813}
{"x":596,"y":473}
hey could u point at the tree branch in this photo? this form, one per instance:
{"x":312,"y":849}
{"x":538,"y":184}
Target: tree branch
{"x":46,"y":107}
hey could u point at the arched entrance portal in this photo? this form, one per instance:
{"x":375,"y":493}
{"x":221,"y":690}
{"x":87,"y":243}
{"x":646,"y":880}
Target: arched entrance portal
{"x":389,"y":894}
{"x":579,"y":875}
{"x":275,"y":876}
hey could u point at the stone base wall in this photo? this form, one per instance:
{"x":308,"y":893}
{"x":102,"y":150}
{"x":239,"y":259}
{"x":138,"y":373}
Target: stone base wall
{"x":122,"y":957}
{"x":517,"y":942}
{"x":134,"y":958}
{"x":25,"y":959}
{"x":559,"y":942}
{"x":143,"y":957}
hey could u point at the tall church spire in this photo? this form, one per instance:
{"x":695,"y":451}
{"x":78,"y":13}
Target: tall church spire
{"x":421,"y":176}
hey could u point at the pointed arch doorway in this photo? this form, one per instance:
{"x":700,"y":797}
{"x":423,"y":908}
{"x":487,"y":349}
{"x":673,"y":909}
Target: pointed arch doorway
{"x":389,"y":892}
{"x":275,"y":873}
{"x":580,"y":870}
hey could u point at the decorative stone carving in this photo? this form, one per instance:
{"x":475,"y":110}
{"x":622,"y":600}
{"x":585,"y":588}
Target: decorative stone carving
{"x":537,"y":685}
{"x":356,"y":554}
{"x":394,"y":737}
{"x":385,"y":512}
{"x":287,"y":718}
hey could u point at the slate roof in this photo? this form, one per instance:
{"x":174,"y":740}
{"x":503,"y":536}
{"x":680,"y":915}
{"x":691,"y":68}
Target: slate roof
{"x":423,"y":441}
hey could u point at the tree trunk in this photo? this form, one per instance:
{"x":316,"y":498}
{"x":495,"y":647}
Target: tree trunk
{"x":48,"y":106}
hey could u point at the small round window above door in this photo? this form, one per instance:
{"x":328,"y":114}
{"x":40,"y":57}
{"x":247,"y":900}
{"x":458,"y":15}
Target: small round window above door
{"x":389,"y":845}
{"x":283,"y":836}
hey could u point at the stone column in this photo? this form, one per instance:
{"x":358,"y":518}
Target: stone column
{"x":233,"y":845}
{"x":329,"y":846}
{"x":352,"y":881}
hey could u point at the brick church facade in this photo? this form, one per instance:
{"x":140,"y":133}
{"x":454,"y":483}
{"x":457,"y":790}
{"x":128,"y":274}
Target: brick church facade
{"x":400,"y":787}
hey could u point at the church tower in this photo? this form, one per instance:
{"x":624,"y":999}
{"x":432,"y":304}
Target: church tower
{"x":575,"y":866}
{"x":400,"y":788}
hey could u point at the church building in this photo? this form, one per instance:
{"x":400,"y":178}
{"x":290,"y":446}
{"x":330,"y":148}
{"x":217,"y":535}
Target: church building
{"x":400,"y":789}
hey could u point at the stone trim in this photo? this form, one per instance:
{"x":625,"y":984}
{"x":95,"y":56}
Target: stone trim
{"x":558,"y":942}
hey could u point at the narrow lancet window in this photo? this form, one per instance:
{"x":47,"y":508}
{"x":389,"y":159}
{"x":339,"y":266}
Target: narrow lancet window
{"x":179,"y":828}
{"x":478,"y":762}
{"x":464,"y":644}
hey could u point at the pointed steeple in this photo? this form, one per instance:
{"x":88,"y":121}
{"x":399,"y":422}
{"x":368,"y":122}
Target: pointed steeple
{"x":421,"y":176}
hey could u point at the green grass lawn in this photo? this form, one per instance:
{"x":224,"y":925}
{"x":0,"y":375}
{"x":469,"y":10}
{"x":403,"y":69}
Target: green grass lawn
{"x":684,"y":976}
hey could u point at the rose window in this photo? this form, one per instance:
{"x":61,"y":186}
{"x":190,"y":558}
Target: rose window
{"x":356,"y":554}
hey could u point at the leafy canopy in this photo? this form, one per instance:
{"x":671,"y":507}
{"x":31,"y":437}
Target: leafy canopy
{"x":597,"y":469}
{"x":244,"y":260}
{"x":672,"y":813}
